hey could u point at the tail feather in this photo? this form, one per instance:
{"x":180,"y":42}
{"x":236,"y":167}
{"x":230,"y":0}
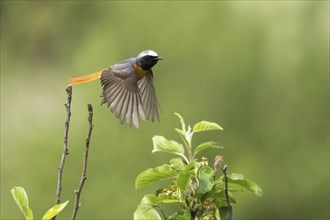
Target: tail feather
{"x":84,"y":79}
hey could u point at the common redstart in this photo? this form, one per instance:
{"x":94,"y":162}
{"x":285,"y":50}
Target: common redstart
{"x":128,"y":88}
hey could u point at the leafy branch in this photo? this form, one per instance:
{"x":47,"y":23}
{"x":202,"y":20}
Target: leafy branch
{"x":19,"y":193}
{"x":195,"y":188}
{"x":22,"y":202}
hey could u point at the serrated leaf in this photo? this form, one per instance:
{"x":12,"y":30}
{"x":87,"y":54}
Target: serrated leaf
{"x":146,"y":210}
{"x":206,"y":126}
{"x":22,"y":201}
{"x":153,"y":175}
{"x":206,"y":179}
{"x":206,"y":145}
{"x":162,"y":144}
{"x":54,"y":210}
{"x":248,"y":184}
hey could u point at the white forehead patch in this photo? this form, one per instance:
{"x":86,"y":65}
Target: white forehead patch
{"x":147,"y":53}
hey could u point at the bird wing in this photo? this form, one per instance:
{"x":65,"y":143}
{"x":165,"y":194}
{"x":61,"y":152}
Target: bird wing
{"x":121,"y":93}
{"x":148,"y":97}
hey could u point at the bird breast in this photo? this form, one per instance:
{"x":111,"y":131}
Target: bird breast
{"x":140,"y":73}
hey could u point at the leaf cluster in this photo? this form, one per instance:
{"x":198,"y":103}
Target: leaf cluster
{"x":195,"y":188}
{"x":22,"y":202}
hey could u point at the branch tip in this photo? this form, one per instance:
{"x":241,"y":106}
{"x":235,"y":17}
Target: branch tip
{"x":224,"y":169}
{"x":85,"y":159}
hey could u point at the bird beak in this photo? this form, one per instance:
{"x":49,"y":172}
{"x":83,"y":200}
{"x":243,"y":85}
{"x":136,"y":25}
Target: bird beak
{"x":158,"y":58}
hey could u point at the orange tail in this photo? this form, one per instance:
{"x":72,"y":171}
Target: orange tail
{"x":84,"y":79}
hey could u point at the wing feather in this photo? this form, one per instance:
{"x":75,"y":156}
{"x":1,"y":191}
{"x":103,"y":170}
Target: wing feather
{"x":148,"y":97}
{"x":122,"y":94}
{"x":128,"y":116}
{"x":135,"y":114}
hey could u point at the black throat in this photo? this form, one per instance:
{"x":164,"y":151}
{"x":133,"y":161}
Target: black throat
{"x":147,"y":62}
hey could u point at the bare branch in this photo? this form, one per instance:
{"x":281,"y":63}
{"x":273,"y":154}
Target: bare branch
{"x":85,"y":159}
{"x":65,"y":145}
{"x":224,"y":170}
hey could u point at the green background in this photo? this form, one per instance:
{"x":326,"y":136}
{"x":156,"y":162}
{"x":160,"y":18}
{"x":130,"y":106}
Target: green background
{"x":259,"y":69}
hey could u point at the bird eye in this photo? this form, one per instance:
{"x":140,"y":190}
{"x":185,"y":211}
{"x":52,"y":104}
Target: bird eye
{"x":150,"y":57}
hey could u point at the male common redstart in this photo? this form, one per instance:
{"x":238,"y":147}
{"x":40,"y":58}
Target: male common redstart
{"x":128,"y":88}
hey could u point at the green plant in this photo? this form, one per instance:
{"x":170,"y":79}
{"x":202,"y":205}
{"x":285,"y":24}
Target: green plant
{"x":19,"y":193}
{"x":22,"y":202}
{"x":197,"y":189}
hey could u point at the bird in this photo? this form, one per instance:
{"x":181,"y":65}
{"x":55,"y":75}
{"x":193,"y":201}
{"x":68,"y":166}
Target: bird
{"x":128,"y":88}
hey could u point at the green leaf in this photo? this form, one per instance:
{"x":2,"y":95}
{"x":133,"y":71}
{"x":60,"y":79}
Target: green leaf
{"x":177,"y":164}
{"x":224,"y":212}
{"x":154,"y":174}
{"x":182,"y":135}
{"x":162,"y":144}
{"x":146,"y":210}
{"x":220,"y":186}
{"x":170,"y":201}
{"x":189,"y":135}
{"x":22,"y":201}
{"x":184,"y":176}
{"x":182,"y":214}
{"x":218,"y":196}
{"x":217,"y":214}
{"x":236,"y":176}
{"x":143,"y":212}
{"x":206,"y":179}
{"x":248,"y":184}
{"x":160,"y":198}
{"x":206,"y":126}
{"x":155,"y":199}
{"x":221,"y":200}
{"x":180,"y":132}
{"x":206,"y":145}
{"x":183,"y":125}
{"x":54,"y":210}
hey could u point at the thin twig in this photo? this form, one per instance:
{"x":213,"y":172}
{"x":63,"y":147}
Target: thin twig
{"x":65,"y":145}
{"x":224,"y":170}
{"x":85,"y":159}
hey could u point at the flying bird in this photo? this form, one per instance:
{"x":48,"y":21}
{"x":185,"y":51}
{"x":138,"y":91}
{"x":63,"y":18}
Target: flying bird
{"x":128,"y":88}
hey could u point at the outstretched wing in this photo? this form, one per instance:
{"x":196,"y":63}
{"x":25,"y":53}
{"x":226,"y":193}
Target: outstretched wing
{"x":121,"y":93}
{"x":148,"y":97}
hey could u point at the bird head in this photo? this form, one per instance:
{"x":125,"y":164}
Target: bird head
{"x":147,"y":59}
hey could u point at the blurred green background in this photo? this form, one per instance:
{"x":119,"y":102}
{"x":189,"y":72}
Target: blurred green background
{"x":259,"y":69}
